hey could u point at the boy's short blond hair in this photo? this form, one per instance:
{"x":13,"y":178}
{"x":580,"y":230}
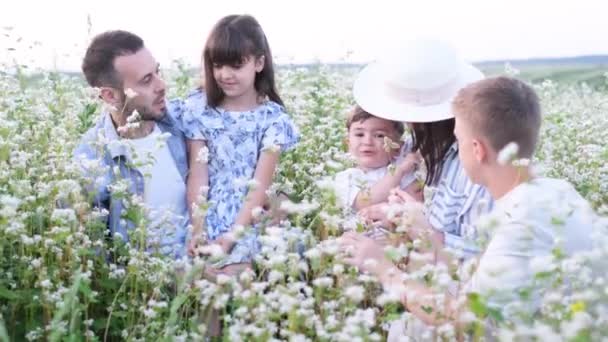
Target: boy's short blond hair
{"x":358,"y":114}
{"x":503,"y":110}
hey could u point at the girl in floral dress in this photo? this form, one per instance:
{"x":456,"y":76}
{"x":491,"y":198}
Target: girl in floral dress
{"x":236,"y":129}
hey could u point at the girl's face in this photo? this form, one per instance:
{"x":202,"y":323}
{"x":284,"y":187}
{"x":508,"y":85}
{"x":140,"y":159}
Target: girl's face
{"x":238,"y":80}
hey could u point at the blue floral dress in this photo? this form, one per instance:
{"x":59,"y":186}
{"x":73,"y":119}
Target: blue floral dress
{"x":235,"y":141}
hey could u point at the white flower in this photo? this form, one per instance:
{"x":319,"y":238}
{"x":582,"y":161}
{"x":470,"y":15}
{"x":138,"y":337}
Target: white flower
{"x":275,"y":276}
{"x":313,"y":253}
{"x":524,"y":162}
{"x":323,"y":282}
{"x":355,"y":293}
{"x":130,"y":93}
{"x":134,"y":117}
{"x":508,"y":153}
{"x":223,"y":279}
{"x":203,"y":155}
{"x":45,"y":284}
{"x":9,"y":205}
{"x":338,"y":269}
{"x":303,"y":207}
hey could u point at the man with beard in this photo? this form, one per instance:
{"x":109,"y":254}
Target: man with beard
{"x":135,"y":156}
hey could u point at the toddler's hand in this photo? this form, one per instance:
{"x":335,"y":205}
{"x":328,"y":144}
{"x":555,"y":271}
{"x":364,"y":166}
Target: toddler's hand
{"x":410,"y":163}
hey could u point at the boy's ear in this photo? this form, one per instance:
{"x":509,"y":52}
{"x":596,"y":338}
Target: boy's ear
{"x":480,"y":150}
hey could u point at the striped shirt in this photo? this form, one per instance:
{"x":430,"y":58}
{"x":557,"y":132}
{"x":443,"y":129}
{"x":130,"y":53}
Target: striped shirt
{"x":456,"y":204}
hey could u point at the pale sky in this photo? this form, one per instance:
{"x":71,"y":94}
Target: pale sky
{"x":309,"y":30}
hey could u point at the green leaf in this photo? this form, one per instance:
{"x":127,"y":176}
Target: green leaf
{"x":477,"y":306}
{"x":8,"y":294}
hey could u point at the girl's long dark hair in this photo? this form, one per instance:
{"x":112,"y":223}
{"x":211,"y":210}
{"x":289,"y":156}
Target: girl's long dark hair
{"x":233,"y":39}
{"x":433,"y":139}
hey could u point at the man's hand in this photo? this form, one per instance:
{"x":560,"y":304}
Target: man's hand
{"x":364,"y":253}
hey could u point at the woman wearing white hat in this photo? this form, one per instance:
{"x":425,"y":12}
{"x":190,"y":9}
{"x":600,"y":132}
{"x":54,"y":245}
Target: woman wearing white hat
{"x":416,"y":85}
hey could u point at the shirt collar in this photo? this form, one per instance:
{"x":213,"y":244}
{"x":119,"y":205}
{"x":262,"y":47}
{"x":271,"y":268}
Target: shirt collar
{"x":114,"y":145}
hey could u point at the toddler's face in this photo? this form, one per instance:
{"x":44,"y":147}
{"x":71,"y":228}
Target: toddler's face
{"x":366,"y":142}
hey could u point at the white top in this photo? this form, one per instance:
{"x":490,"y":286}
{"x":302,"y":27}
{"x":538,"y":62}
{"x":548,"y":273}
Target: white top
{"x":164,"y":189}
{"x":525,"y":227}
{"x":348,"y":183}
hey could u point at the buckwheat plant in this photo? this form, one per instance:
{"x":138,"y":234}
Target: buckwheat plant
{"x":63,"y":278}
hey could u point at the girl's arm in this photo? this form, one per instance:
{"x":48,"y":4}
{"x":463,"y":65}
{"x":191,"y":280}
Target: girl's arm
{"x":198,"y":178}
{"x":256,"y":197}
{"x":380,"y":191}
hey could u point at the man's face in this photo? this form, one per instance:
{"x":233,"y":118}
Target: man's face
{"x":467,"y":148}
{"x":140,"y":72}
{"x":366,"y":142}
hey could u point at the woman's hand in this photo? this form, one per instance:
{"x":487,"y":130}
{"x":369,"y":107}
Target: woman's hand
{"x":399,"y":196}
{"x":364,"y":253}
{"x":377,"y":214}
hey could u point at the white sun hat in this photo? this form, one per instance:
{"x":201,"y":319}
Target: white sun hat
{"x":414,"y":83}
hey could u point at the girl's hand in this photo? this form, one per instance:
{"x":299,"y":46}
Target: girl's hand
{"x":195,"y":242}
{"x":226,"y":241}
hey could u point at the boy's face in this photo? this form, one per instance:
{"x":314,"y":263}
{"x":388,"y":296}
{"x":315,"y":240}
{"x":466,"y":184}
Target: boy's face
{"x":366,"y":142}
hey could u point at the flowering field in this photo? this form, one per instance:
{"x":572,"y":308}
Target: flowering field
{"x":56,"y":283}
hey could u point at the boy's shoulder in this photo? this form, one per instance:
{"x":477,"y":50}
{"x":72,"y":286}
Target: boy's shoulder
{"x":544,"y":201}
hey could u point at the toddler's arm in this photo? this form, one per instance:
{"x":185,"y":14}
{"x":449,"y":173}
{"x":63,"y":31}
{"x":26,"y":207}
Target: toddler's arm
{"x":380,"y":191}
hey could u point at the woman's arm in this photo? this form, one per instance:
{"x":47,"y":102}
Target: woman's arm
{"x":419,"y":299}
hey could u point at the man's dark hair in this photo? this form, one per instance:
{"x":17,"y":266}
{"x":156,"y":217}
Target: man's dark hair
{"x":98,"y":62}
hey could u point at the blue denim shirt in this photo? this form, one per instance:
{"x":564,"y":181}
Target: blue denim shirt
{"x":114,"y":159}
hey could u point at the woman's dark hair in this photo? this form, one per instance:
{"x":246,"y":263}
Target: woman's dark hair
{"x":234,"y":39}
{"x":433,"y":139}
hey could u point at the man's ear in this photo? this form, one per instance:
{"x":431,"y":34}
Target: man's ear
{"x":110,"y":96}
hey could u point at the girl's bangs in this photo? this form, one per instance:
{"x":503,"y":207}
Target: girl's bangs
{"x":230,"y":48}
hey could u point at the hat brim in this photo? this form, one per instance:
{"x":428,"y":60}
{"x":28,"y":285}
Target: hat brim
{"x":369,"y":93}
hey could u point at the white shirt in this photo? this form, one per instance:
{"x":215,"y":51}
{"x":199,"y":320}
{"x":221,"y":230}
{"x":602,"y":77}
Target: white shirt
{"x":164,"y":190}
{"x":456,"y":204}
{"x":348,"y":183}
{"x":525,"y":228}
